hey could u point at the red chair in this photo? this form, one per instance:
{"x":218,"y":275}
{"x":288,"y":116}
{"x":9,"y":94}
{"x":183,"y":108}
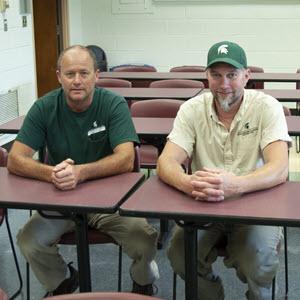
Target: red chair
{"x":103,"y":296}
{"x":4,"y":216}
{"x":255,"y":84}
{"x":177,"y":83}
{"x":94,"y":237}
{"x":136,"y":68}
{"x":113,"y":82}
{"x":188,"y":69}
{"x":153,"y":108}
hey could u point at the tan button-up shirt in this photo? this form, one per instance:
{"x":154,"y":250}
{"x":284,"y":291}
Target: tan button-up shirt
{"x":259,"y":122}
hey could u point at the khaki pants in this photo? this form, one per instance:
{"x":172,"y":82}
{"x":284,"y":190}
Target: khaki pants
{"x":37,"y":242}
{"x":251,"y":250}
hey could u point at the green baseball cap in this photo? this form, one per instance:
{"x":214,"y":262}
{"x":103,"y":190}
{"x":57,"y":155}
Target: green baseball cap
{"x":227,"y":52}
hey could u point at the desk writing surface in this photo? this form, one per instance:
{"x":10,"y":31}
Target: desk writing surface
{"x":276,"y":206}
{"x":282,"y":95}
{"x":103,"y":194}
{"x":12,"y":126}
{"x":267,"y":77}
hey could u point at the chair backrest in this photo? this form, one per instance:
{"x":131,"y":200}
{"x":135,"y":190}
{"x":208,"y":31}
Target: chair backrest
{"x":3,"y":157}
{"x":113,"y":82}
{"x":298,"y":82}
{"x":134,"y":68}
{"x":177,"y":83}
{"x":3,"y":163}
{"x":156,"y":108}
{"x":287,"y":111}
{"x":103,"y":296}
{"x":188,"y":69}
{"x":255,"y":84}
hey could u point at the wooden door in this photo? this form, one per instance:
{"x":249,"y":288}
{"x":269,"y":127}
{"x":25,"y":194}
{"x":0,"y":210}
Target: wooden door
{"x":48,"y":42}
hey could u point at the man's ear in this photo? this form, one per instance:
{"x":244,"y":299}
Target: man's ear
{"x":58,"y":76}
{"x":247,"y":76}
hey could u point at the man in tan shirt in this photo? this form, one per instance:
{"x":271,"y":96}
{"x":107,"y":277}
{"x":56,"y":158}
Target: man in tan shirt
{"x":237,"y":140}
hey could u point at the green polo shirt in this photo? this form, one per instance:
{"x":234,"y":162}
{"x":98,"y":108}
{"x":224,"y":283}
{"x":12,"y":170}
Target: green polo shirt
{"x":85,"y":136}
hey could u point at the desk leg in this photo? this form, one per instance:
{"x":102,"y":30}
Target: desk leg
{"x":83,"y":255}
{"x":163,"y":233}
{"x":191,"y":276}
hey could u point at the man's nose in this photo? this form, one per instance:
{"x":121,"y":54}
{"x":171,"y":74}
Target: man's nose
{"x":77,"y":78}
{"x":225,"y":81}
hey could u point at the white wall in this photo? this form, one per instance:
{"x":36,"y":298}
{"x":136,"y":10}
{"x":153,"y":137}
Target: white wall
{"x":181,"y":33}
{"x":17,"y":57}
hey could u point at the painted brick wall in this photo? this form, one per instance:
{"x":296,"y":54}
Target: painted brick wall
{"x":178,"y":33}
{"x":16,"y":57}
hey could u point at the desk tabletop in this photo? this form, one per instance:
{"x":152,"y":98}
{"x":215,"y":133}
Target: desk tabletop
{"x":267,"y":77}
{"x":101,"y":195}
{"x":149,"y":126}
{"x":275,"y":206}
{"x":282,"y":95}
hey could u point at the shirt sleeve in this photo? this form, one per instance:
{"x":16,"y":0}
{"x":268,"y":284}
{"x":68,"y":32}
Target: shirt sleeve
{"x":183,"y":132}
{"x":121,"y":127}
{"x":274,"y":124}
{"x":33,"y":131}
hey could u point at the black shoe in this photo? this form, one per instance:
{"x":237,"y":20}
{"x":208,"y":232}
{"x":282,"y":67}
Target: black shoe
{"x":143,"y":289}
{"x":67,"y":286}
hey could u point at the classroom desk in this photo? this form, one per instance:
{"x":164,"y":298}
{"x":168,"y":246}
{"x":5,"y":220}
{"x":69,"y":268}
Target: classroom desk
{"x":266,"y":77}
{"x":149,"y":127}
{"x":99,"y":195}
{"x":155,"y":199}
{"x":282,"y":95}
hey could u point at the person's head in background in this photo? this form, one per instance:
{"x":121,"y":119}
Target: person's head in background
{"x":227,"y":74}
{"x":100,"y":57}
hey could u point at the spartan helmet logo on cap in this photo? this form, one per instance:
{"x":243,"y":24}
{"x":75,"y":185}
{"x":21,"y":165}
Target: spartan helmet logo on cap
{"x":223,"y":49}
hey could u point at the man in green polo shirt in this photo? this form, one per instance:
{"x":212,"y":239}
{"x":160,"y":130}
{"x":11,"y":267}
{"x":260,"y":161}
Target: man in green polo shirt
{"x":88,"y":133}
{"x":237,"y":140}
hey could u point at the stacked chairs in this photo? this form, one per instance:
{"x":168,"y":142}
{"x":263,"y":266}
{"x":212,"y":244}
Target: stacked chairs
{"x":255,"y":84}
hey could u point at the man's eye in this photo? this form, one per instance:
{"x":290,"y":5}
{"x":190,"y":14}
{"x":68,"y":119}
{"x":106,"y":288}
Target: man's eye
{"x":69,"y":74}
{"x":232,"y":75}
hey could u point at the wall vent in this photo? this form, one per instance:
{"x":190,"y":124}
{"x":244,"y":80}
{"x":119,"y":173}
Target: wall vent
{"x":8,"y":111}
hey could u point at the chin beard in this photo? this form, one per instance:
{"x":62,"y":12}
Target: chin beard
{"x":224,"y":104}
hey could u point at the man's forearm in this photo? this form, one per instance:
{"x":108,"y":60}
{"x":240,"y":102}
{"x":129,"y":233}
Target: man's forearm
{"x":28,"y":167}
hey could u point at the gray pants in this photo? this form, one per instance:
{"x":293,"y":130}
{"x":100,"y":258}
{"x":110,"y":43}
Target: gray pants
{"x":37,"y":242}
{"x":251,"y":250}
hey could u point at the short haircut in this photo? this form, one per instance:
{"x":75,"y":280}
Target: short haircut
{"x":61,"y":55}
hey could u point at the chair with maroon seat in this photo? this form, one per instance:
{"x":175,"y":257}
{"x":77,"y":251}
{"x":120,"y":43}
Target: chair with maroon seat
{"x":136,"y":68}
{"x":94,"y":236}
{"x":113,"y":82}
{"x":4,"y":216}
{"x":177,"y":83}
{"x":153,"y":108}
{"x":255,"y":84}
{"x":103,"y":296}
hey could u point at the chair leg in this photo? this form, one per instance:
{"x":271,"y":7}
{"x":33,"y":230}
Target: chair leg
{"x":286,"y":260}
{"x":174,"y":285}
{"x":28,"y":280}
{"x":15,"y":259}
{"x":273,"y":288}
{"x":120,"y":270}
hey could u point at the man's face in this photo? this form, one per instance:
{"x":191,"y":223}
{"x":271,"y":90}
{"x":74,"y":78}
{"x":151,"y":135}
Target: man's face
{"x":77,"y":78}
{"x":227,"y":84}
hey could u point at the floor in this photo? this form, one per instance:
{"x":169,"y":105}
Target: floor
{"x":104,"y":262}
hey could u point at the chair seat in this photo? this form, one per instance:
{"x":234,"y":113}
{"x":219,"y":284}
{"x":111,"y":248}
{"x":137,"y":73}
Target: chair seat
{"x":103,"y":296}
{"x":94,"y":237}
